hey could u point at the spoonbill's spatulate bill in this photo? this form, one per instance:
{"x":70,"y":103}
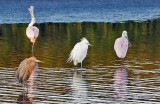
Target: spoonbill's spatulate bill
{"x":79,"y":52}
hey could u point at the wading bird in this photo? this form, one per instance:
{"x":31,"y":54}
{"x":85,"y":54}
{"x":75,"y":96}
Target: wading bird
{"x":121,"y":45}
{"x":79,"y":52}
{"x":32,"y":32}
{"x":25,"y":69}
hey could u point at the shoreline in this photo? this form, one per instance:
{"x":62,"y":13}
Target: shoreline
{"x":138,"y":21}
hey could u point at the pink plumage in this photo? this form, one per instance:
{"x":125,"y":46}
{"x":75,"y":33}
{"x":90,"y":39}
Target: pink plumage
{"x":32,"y":32}
{"x":121,"y":45}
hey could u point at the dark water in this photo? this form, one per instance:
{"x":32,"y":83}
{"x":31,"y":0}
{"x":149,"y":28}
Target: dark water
{"x":102,"y":79}
{"x":15,"y":11}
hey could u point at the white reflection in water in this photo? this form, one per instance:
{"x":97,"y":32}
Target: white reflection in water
{"x":120,"y":84}
{"x":79,"y":88}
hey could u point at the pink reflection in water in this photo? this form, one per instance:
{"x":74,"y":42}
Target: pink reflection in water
{"x":120,"y":84}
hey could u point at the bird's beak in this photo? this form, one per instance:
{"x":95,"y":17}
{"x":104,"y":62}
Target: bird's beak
{"x":38,"y":61}
{"x":129,"y":44}
{"x":90,"y":45}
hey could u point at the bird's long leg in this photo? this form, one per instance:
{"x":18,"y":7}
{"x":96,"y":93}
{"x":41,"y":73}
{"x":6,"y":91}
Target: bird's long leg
{"x":23,"y":87}
{"x":122,"y":61}
{"x":32,"y":49}
{"x":23,"y":90}
{"x":26,"y":88}
{"x":81,"y":65}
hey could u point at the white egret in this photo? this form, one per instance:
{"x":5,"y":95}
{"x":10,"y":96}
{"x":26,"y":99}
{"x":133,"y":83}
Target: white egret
{"x":79,"y":52}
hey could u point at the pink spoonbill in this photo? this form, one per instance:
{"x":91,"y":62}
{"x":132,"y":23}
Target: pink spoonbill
{"x":121,"y":45}
{"x":32,"y":32}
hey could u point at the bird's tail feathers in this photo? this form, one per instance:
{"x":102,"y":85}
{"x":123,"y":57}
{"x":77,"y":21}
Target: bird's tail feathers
{"x":70,"y":59}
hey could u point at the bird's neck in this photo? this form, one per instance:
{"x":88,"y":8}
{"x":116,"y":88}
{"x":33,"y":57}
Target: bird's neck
{"x":31,"y":24}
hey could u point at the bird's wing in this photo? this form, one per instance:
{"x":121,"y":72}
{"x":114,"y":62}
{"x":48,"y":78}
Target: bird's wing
{"x":83,"y":52}
{"x":121,"y":47}
{"x":116,"y":44}
{"x":18,"y":70}
{"x":30,"y":67}
{"x":36,"y":31}
{"x":74,"y":53}
{"x":22,"y":70}
{"x":32,"y":32}
{"x":26,"y":75}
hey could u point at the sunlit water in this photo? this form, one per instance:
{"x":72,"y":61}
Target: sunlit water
{"x":101,"y":80}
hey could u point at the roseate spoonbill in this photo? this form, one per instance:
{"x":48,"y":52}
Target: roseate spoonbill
{"x":121,"y":45}
{"x":79,"y":52}
{"x":25,"y":69}
{"x":32,"y":31}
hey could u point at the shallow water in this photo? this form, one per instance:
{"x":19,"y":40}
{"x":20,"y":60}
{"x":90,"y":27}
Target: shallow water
{"x":98,"y":85}
{"x":102,"y":79}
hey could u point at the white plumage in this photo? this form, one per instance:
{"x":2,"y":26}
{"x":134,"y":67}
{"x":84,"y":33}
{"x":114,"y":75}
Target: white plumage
{"x":79,"y":52}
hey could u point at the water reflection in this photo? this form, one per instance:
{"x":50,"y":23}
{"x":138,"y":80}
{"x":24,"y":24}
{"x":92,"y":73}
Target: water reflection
{"x":120,"y":84}
{"x":23,"y":99}
{"x":53,"y":46}
{"x":57,"y":39}
{"x":89,"y":86}
{"x":79,"y":88}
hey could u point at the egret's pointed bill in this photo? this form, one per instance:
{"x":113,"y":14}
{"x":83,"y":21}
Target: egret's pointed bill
{"x":39,"y":61}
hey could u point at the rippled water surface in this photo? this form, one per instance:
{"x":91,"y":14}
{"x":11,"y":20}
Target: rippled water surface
{"x":101,"y":80}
